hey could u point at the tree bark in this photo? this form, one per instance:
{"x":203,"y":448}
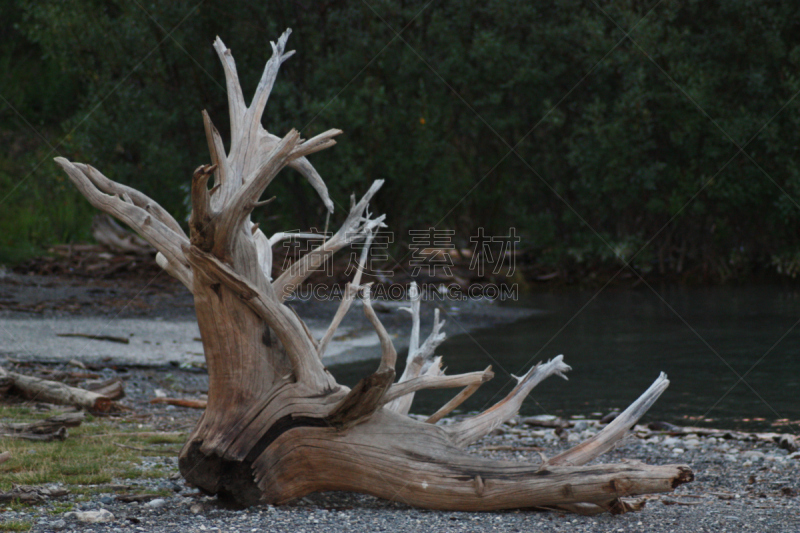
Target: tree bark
{"x":44,"y":390}
{"x":277,"y":425}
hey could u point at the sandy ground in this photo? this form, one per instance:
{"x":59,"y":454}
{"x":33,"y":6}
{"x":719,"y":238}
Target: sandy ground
{"x":156,"y":318}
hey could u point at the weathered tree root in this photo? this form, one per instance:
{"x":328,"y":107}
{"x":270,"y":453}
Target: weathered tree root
{"x":277,"y":426}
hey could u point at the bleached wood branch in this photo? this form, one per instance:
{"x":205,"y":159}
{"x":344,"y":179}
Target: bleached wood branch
{"x":355,"y":228}
{"x":389,"y":354}
{"x":471,"y":429}
{"x":614,"y":431}
{"x":419,"y":357}
{"x":107,"y":232}
{"x":139,"y":199}
{"x":366,"y":397}
{"x":150,"y":223}
{"x":279,"y":55}
{"x":201,"y":206}
{"x":437,"y":382}
{"x":216,"y":149}
{"x":457,"y":400}
{"x":350,"y":291}
{"x":250,"y":142}
{"x":286,"y":235}
{"x":236,"y":105}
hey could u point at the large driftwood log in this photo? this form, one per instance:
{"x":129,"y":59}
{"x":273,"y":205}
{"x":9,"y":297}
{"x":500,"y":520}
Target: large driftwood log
{"x":277,"y":425}
{"x":44,"y":390}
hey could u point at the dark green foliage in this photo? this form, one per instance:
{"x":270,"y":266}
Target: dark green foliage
{"x":623,"y":148}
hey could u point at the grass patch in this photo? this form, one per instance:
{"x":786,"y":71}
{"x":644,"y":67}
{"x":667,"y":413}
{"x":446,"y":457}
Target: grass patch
{"x":60,"y":508}
{"x":14,"y":525}
{"x":91,"y":455}
{"x":165,"y":439}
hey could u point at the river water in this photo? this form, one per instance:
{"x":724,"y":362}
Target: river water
{"x":732,"y":354}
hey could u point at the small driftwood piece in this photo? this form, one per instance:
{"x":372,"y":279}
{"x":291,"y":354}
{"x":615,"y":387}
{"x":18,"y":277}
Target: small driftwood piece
{"x":60,"y":434}
{"x":135,"y":498}
{"x":53,"y":428}
{"x":182,"y":402}
{"x":113,"y":389}
{"x":44,"y":390}
{"x":31,"y":494}
{"x":140,"y":434}
{"x":107,"y":232}
{"x":121,"y":340}
{"x":48,"y":425}
{"x":277,"y":425}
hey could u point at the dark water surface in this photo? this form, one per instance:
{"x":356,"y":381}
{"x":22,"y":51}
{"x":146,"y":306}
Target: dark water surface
{"x":617,"y":342}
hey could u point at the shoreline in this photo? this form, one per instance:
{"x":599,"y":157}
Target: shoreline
{"x":157,"y":322}
{"x":742,"y":481}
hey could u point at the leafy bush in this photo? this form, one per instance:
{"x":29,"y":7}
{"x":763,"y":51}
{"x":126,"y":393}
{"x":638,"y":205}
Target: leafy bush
{"x":619,"y":144}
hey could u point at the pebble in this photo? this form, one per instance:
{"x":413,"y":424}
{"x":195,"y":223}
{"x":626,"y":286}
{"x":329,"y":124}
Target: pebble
{"x":580,"y":425}
{"x":753,"y":454}
{"x":92,"y":517}
{"x":57,"y":525}
{"x":670,"y":442}
{"x":156,"y":504}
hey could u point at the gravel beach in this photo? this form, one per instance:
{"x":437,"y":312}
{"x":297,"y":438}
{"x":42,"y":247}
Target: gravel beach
{"x":742,"y":483}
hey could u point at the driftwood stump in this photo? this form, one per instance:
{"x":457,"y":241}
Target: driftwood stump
{"x":277,"y":425}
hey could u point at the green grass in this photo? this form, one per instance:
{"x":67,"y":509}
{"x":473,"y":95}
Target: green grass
{"x":14,"y":525}
{"x":59,"y":508}
{"x":91,"y":455}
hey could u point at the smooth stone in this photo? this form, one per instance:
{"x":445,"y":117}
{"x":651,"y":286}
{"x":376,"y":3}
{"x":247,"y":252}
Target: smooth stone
{"x":753,"y":455}
{"x":92,"y":517}
{"x":157,"y":503}
{"x":57,"y":525}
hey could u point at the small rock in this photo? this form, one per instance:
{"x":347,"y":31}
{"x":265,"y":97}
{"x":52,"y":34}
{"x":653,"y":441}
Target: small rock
{"x":580,"y":425}
{"x":664,"y":426}
{"x":545,"y":421}
{"x":156,"y":504}
{"x":106,"y":500}
{"x":196,"y":508}
{"x":57,"y":525}
{"x":609,"y":417}
{"x":92,"y":517}
{"x":753,"y":455}
{"x":670,"y":442}
{"x":677,"y":451}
